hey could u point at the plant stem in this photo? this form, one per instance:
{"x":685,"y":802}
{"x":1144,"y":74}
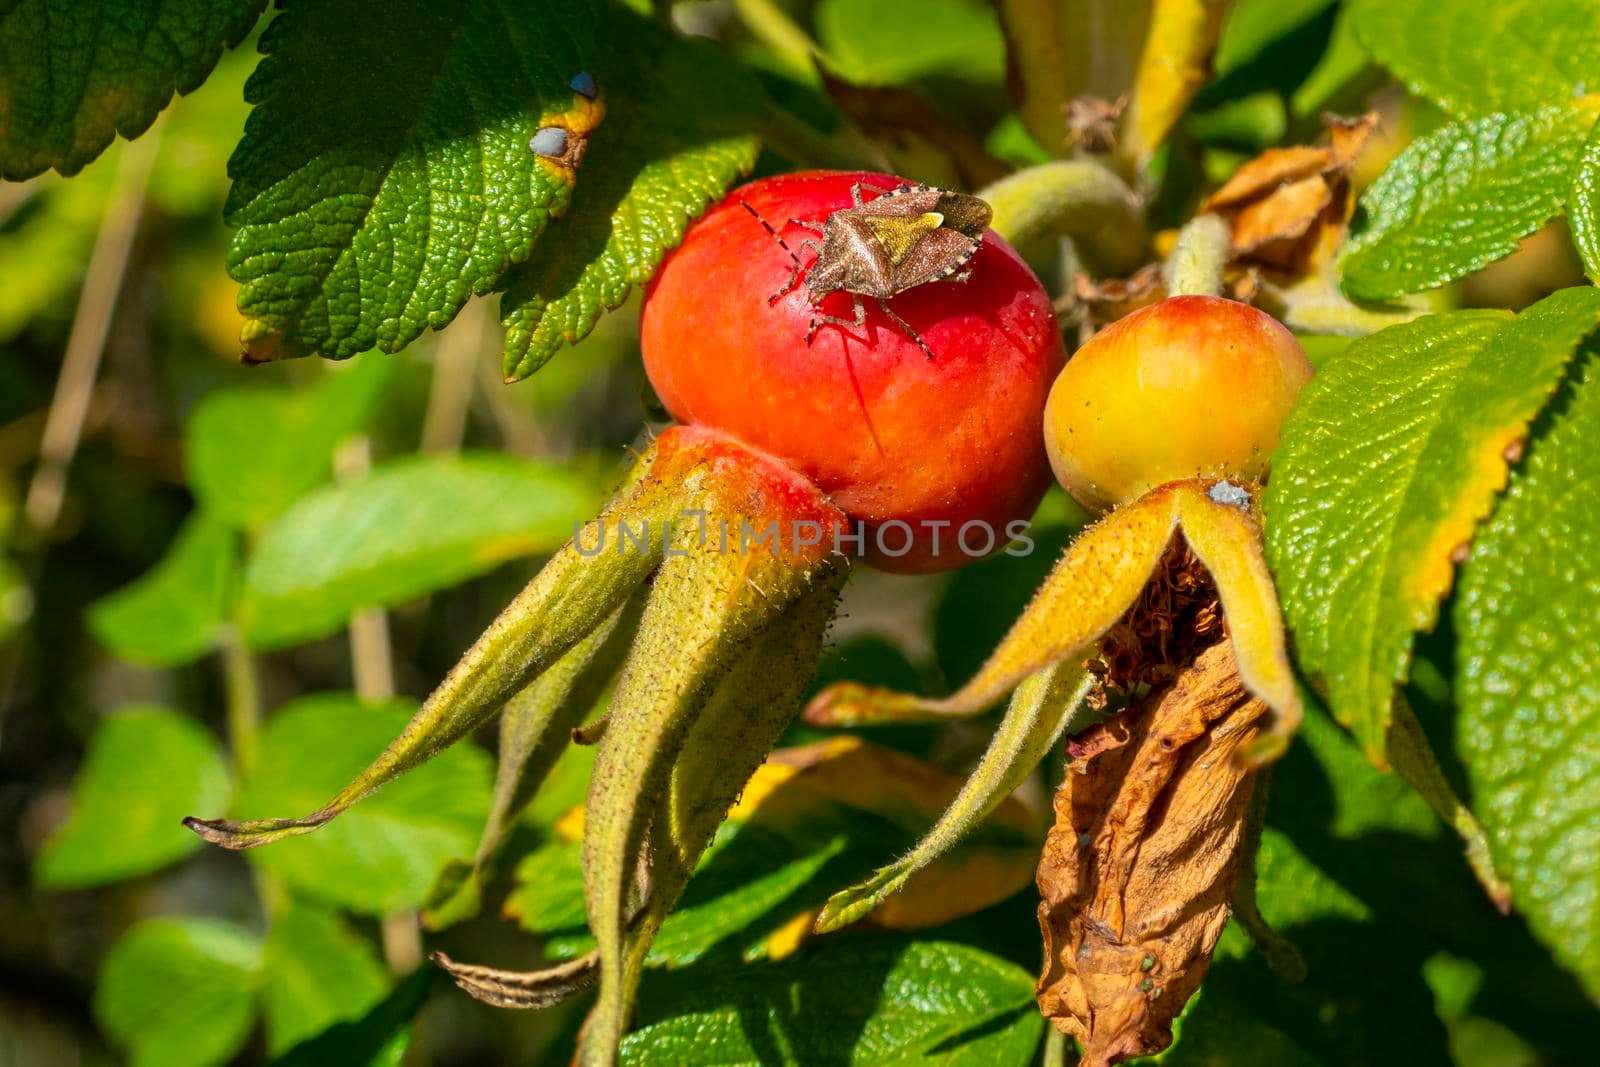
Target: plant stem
{"x":1195,"y":266}
{"x":1175,"y":63}
{"x":1080,"y":199}
{"x":243,"y":689}
{"x":1413,"y":758}
{"x":371,"y":659}
{"x":91,"y":325}
{"x":772,"y":26}
{"x":450,"y":394}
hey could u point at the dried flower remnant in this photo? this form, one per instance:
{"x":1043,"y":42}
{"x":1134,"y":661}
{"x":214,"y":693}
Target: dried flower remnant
{"x":1288,"y":207}
{"x":1137,"y":873}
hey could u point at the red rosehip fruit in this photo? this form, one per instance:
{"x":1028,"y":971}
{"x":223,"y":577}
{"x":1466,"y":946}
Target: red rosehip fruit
{"x":914,"y":448}
{"x":1193,"y":386}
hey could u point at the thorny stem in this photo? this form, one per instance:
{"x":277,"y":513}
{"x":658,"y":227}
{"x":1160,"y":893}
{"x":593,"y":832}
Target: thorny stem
{"x":91,"y":325}
{"x":1195,"y":266}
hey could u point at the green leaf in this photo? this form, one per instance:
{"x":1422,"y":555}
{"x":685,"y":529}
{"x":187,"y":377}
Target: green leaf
{"x":384,"y":853}
{"x":1583,"y":205}
{"x":1473,"y":57}
{"x":385,"y":173}
{"x":1393,"y":455}
{"x":868,"y":1001}
{"x":810,"y":820}
{"x":891,"y":42}
{"x":73,"y":76}
{"x":318,"y":973}
{"x":1530,"y":701}
{"x":377,"y":1039}
{"x":1462,"y":197}
{"x":145,"y":770}
{"x":1254,"y":25}
{"x":403,"y":530}
{"x":180,"y":992}
{"x":251,"y":452}
{"x":677,"y":136}
{"x":175,"y":612}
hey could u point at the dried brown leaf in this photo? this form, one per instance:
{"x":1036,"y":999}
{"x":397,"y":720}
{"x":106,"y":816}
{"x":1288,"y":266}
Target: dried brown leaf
{"x":1288,"y":207}
{"x":1137,"y":873}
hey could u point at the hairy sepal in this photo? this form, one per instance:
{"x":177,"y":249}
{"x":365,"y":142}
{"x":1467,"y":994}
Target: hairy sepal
{"x":1096,"y":581}
{"x":1046,"y":705}
{"x":567,"y":600}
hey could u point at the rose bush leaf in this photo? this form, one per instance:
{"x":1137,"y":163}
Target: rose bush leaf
{"x":401,"y":531}
{"x":866,"y":1001}
{"x":318,"y":972}
{"x":1530,"y":703}
{"x":1461,"y":197}
{"x":74,"y":76}
{"x":1474,"y":58}
{"x":250,"y":452}
{"x":1583,"y":205}
{"x":812,"y":819}
{"x":384,"y":853}
{"x":385,"y":173}
{"x":180,"y":992}
{"x":676,"y":136}
{"x":1392,"y":457}
{"x":146,"y":769}
{"x":174,"y":612}
{"x":377,"y":1039}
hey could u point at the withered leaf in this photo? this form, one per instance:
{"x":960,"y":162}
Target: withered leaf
{"x":1288,"y":207}
{"x":1137,"y":873}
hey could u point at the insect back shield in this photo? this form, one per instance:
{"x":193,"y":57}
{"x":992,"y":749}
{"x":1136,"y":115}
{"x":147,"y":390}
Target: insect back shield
{"x":902,"y":238}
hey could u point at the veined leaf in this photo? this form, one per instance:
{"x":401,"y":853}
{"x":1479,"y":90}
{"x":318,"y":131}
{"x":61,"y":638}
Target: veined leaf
{"x":386,"y":172}
{"x":404,"y":530}
{"x":180,"y":992}
{"x":383,"y":855}
{"x":1583,"y":205}
{"x":1473,"y":58}
{"x":251,"y":452}
{"x":73,"y":76}
{"x":377,"y":1039}
{"x":317,"y":973}
{"x":1461,"y":197}
{"x":676,"y":137}
{"x":174,"y":613}
{"x":1392,"y":457}
{"x":1530,"y":700}
{"x":146,"y":769}
{"x":872,"y":1001}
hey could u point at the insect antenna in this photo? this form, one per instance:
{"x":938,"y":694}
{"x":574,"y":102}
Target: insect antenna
{"x":794,"y":275}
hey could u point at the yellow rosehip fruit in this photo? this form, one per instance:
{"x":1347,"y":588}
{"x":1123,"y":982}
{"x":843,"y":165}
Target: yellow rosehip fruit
{"x":1193,"y":386}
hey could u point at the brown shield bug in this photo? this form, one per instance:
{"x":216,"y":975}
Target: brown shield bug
{"x":898,"y":240}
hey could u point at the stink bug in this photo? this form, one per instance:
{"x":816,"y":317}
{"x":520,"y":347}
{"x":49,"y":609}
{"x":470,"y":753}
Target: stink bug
{"x":900,"y":239}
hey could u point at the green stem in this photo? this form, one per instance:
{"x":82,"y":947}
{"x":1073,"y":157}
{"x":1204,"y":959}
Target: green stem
{"x":772,"y":26}
{"x":1195,"y":266}
{"x":1080,"y":199}
{"x":1413,"y":758}
{"x":1282,"y":957}
{"x":244,"y":701}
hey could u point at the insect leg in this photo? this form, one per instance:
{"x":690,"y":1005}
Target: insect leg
{"x":832,"y":320}
{"x":906,"y":326}
{"x":794,"y":275}
{"x":807,"y":223}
